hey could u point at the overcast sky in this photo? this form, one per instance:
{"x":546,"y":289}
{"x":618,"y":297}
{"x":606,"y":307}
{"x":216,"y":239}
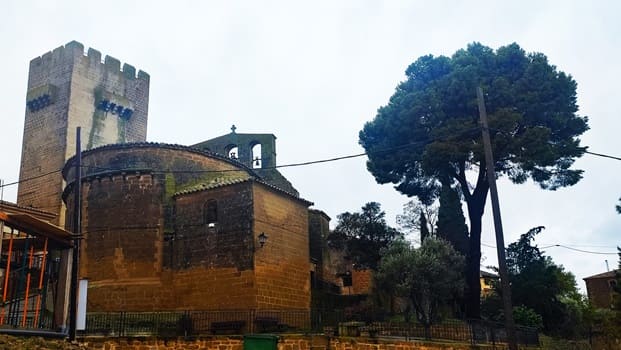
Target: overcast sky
{"x":314,"y":72}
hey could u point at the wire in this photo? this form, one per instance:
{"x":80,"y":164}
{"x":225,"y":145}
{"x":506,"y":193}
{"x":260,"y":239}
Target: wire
{"x":560,"y":246}
{"x":602,"y":155}
{"x":291,"y":164}
{"x":578,"y":250}
{"x":585,"y":151}
{"x":581,"y":245}
{"x":177,"y":171}
{"x":30,"y":178}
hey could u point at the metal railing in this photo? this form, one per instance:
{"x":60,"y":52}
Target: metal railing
{"x":332,"y":322}
{"x":186,"y":323}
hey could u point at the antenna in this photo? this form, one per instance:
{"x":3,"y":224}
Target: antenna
{"x":607,"y":267}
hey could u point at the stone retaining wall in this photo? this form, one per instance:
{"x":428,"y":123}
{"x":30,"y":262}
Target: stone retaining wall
{"x":284,"y":343}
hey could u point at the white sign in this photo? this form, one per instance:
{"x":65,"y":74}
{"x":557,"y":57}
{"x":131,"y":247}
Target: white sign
{"x":81,"y":319}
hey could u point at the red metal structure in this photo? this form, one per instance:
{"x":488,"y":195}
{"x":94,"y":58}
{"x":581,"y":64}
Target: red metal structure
{"x":31,"y":251}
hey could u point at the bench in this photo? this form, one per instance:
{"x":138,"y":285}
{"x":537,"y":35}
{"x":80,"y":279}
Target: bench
{"x":231,"y":327}
{"x":269,"y":324}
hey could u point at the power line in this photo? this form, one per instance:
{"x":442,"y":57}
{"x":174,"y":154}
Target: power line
{"x":560,"y":246}
{"x":390,"y":149}
{"x":578,"y":250}
{"x":602,"y":155}
{"x":291,"y":164}
{"x":30,"y":178}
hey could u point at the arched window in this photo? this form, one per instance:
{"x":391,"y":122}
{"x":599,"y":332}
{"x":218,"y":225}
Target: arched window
{"x":211,"y":213}
{"x":256,"y":156}
{"x":234,"y":153}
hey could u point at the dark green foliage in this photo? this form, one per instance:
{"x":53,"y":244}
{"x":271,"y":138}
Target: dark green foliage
{"x":451,"y":221}
{"x":539,"y":284}
{"x":619,"y":206}
{"x":429,"y":276}
{"x":362,"y":235}
{"x":428,"y":134}
{"x":524,"y":316}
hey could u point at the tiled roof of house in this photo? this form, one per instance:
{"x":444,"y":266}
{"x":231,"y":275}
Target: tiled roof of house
{"x":212,"y":185}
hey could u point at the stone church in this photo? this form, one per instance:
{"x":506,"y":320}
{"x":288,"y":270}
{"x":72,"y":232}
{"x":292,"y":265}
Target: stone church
{"x":212,"y":226}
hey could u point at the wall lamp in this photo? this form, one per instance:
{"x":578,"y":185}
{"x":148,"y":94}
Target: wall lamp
{"x":262,"y":239}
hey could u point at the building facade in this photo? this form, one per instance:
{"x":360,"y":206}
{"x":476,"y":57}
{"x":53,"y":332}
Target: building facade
{"x":600,"y":288}
{"x":170,"y":227}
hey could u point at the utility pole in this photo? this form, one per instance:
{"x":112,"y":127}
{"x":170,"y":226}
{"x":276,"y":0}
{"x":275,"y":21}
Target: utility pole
{"x":500,"y":241}
{"x":75,"y":264}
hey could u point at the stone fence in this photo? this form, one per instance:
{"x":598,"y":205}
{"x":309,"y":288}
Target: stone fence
{"x":288,"y":342}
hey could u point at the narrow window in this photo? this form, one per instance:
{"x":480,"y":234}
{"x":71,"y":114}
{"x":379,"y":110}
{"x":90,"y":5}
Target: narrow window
{"x":256,"y":156}
{"x":211,"y":213}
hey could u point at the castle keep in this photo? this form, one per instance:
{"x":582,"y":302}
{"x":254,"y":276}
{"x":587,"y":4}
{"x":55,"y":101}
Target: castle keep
{"x":67,"y":89}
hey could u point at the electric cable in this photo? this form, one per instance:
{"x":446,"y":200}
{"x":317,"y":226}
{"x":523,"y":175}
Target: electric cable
{"x":291,"y":164}
{"x":561,"y":246}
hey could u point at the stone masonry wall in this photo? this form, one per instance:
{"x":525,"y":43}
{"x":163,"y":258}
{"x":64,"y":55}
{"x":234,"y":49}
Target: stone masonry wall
{"x":121,"y":254}
{"x":45,"y":132}
{"x":318,"y":230}
{"x":212,"y":266}
{"x":361,"y":281}
{"x":74,"y":84}
{"x":282,"y":266}
{"x":600,"y":292}
{"x":228,"y":242}
{"x":289,"y":342}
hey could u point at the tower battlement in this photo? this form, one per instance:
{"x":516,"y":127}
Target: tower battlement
{"x":73,"y":50}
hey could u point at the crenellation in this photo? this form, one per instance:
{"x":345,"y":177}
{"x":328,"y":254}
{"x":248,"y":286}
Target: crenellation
{"x":74,"y":48}
{"x":35,"y":62}
{"x":46,"y":59}
{"x":58,"y":54}
{"x":75,"y":45}
{"x":112,"y":63}
{"x":129,"y":71}
{"x":94,"y":56}
{"x":142,"y":75}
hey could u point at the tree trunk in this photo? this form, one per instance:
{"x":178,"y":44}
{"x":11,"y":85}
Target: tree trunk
{"x":476,"y":206}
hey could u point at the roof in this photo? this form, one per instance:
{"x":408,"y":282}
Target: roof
{"x":487,"y":274}
{"x":609,"y":274}
{"x":210,"y":186}
{"x":30,"y":224}
{"x":320,"y":212}
{"x":9,"y":207}
{"x":130,"y":145}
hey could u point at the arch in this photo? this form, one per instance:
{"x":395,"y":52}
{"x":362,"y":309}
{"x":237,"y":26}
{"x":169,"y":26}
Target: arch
{"x":255,"y":151}
{"x":232,"y":151}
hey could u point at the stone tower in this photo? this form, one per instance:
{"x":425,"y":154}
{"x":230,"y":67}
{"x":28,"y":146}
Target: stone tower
{"x":67,"y":89}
